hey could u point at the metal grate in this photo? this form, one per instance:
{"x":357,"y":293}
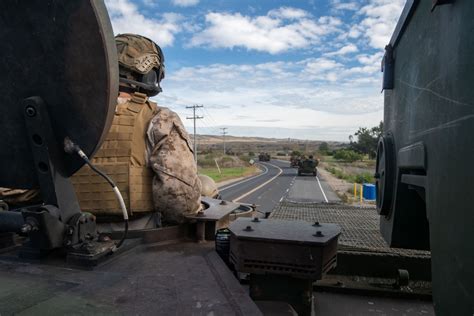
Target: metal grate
{"x":360,"y":225}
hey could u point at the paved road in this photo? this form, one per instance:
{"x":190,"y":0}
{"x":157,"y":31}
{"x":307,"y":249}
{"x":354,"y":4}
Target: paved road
{"x":277,"y":182}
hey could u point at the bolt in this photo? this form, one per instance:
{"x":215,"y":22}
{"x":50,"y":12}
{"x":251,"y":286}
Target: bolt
{"x":223,"y":202}
{"x":316,"y":224}
{"x":248,"y":229}
{"x":318,"y":234}
{"x":26,"y":228}
{"x":30,"y":111}
{"x":255,"y":220}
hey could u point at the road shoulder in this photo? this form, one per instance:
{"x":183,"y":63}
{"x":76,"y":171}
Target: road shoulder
{"x":234,"y":180}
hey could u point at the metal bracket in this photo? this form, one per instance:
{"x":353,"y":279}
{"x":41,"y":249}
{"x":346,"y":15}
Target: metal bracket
{"x":56,"y":189}
{"x":58,"y":222}
{"x":388,"y":68}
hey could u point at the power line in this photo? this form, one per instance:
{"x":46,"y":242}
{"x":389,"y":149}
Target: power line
{"x":223,"y":136}
{"x":210,"y":129}
{"x":194,"y":118}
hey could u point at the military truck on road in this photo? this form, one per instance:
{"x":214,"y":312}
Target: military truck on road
{"x":264,"y":157}
{"x":295,"y":161}
{"x":308,"y":166}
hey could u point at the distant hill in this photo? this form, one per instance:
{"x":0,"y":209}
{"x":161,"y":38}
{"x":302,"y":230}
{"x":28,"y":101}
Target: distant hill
{"x":238,"y":144}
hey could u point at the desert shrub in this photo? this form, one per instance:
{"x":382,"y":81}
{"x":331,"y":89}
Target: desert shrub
{"x":347,"y":155}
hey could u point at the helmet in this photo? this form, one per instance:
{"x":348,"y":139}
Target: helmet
{"x":209,"y":187}
{"x":141,"y":63}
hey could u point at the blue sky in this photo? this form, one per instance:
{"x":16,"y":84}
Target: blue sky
{"x":307,"y":69}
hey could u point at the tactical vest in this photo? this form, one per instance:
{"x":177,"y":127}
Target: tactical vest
{"x":124,"y":158}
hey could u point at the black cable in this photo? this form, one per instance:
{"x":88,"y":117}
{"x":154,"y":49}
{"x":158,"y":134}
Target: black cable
{"x":70,"y":147}
{"x":99,"y":172}
{"x":124,"y":236}
{"x":112,"y":183}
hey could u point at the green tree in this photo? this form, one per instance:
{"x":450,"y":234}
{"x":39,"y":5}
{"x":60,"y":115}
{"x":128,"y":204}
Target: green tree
{"x":296,"y":153}
{"x":367,"y":140}
{"x":324,"y":147}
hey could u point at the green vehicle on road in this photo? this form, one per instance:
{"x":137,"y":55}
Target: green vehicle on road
{"x":308,"y":166}
{"x":264,"y":157}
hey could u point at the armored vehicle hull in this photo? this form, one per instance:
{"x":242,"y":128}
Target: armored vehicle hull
{"x":424,"y":163}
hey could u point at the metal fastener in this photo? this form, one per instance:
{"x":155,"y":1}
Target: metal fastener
{"x":316,"y":224}
{"x":248,"y":229}
{"x":318,"y":234}
{"x":30,"y":111}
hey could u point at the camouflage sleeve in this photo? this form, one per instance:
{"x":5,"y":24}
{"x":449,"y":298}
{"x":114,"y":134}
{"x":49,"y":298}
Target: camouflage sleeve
{"x":176,"y":187}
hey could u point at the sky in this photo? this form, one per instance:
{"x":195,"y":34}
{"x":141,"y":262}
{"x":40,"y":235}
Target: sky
{"x":307,"y":69}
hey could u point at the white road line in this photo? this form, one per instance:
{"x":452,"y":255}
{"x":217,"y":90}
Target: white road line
{"x":325,"y":198}
{"x":285,"y":161}
{"x":260,"y":186}
{"x":245,"y":180}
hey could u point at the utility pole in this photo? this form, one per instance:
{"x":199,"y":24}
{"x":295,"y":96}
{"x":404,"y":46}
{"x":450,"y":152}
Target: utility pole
{"x":194,"y":118}
{"x":223,"y":136}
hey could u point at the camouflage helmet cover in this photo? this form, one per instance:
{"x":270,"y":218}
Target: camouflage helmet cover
{"x":139,"y":54}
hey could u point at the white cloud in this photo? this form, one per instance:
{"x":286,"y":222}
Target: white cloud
{"x":280,"y":30}
{"x":185,"y":3}
{"x":348,"y":49}
{"x":126,"y":18}
{"x":381,"y":17}
{"x":288,"y":13}
{"x":350,"y":6}
{"x":317,"y":92}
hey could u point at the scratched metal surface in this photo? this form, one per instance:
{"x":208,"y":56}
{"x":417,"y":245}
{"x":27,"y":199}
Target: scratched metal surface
{"x":360,"y":226}
{"x":179,"y":279}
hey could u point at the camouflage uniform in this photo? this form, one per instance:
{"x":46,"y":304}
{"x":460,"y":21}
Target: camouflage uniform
{"x":176,"y":186}
{"x":19,"y":197}
{"x":208,"y":186}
